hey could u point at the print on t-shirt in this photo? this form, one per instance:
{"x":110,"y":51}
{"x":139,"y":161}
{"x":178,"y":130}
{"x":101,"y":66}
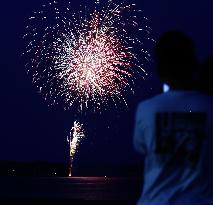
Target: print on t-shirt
{"x":180,"y":135}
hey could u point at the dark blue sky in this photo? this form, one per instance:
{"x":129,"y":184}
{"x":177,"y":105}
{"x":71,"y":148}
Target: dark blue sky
{"x":30,"y":130}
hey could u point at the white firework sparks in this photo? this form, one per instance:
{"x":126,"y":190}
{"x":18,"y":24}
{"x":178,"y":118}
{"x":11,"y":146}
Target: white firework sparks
{"x":87,"y":57}
{"x":74,"y":140}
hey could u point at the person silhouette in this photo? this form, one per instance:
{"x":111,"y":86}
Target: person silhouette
{"x":173,"y":130}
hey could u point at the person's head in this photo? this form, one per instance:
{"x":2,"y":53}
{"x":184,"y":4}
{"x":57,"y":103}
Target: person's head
{"x":205,"y":76}
{"x":176,"y":59}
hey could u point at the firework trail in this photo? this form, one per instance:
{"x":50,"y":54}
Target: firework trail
{"x":86,"y":58}
{"x":74,"y":140}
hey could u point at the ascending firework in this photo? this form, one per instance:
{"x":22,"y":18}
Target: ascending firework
{"x":89,"y":57}
{"x":74,"y":139}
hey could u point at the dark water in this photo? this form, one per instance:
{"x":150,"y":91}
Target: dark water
{"x":71,"y":189}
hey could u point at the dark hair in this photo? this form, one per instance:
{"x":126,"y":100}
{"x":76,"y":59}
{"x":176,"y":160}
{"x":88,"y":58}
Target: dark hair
{"x":176,"y":59}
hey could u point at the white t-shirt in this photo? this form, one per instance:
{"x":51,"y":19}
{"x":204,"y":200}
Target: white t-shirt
{"x":174,"y":131}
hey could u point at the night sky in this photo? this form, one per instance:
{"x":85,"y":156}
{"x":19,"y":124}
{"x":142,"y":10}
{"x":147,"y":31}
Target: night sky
{"x":30,"y":130}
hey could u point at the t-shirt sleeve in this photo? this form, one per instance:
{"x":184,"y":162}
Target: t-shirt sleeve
{"x":138,"y":135}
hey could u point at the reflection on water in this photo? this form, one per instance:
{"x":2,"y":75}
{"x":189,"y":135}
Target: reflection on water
{"x":80,"y":188}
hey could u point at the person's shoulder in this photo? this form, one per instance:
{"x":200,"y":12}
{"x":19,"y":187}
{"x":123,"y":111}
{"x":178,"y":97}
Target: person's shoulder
{"x":151,"y":101}
{"x":203,"y":96}
{"x":206,"y":99}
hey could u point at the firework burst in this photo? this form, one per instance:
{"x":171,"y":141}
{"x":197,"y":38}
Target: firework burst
{"x":89,"y":57}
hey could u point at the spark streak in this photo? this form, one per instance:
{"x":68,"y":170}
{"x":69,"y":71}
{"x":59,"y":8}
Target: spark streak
{"x":74,"y":140}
